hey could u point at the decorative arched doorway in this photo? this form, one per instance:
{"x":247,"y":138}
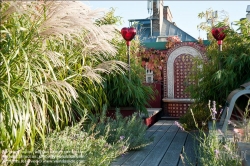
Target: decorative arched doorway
{"x":179,"y":61}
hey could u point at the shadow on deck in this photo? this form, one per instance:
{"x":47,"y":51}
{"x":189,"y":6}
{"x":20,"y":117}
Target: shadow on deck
{"x":166,"y":149}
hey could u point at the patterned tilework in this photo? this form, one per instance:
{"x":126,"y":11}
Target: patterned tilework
{"x":195,"y":46}
{"x":175,"y":109}
{"x":182,"y":68}
{"x":178,"y":62}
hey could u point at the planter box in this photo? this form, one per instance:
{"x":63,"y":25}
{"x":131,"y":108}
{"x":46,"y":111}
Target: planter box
{"x":157,"y":103}
{"x":153,"y":114}
{"x":125,"y":111}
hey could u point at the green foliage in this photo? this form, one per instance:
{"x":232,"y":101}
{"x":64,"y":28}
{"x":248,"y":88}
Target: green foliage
{"x":84,"y":146}
{"x":119,"y":89}
{"x":129,"y":129}
{"x":213,"y":151}
{"x":52,"y":62}
{"x":212,"y":20}
{"x":109,"y":18}
{"x":122,"y":92}
{"x":201,"y":114}
{"x":216,"y":83}
{"x":213,"y":147}
{"x":224,"y":71}
{"x":73,"y":146}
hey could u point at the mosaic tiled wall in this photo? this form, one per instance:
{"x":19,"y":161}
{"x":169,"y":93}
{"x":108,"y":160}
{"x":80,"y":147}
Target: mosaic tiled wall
{"x":178,"y":65}
{"x":176,"y":109}
{"x":182,"y":68}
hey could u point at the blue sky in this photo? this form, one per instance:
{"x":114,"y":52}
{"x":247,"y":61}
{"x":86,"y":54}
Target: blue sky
{"x":185,"y":13}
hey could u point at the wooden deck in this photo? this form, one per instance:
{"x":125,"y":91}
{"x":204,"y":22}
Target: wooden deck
{"x":165,"y":150}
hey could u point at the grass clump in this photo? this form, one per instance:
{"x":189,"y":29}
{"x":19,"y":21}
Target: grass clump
{"x":213,"y":147}
{"x":200,"y":113}
{"x":214,"y":150}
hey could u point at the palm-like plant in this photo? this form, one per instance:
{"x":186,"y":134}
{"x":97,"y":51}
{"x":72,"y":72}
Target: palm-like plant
{"x":51,"y":56}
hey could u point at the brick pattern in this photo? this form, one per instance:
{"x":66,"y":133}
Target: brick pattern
{"x":155,"y":21}
{"x":165,"y":82}
{"x":182,"y":67}
{"x":167,"y":14}
{"x":191,"y":44}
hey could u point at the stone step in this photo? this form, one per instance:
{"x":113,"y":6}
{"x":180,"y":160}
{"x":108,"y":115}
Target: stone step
{"x":169,"y":118}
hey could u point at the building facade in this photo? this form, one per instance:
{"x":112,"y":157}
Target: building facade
{"x":154,"y":32}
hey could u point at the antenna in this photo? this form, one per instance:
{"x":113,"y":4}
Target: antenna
{"x":158,"y":4}
{"x":212,"y":17}
{"x":150,"y":6}
{"x":215,"y":14}
{"x":248,"y":12}
{"x":248,"y":9}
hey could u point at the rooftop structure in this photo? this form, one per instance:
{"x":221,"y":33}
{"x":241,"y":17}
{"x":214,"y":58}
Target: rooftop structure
{"x":159,"y":25}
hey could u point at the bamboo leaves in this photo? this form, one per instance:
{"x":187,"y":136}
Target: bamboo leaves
{"x":52,"y":61}
{"x":216,"y":82}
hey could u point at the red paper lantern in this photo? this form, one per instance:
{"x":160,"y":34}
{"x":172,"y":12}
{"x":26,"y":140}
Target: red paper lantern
{"x":128,"y":34}
{"x":218,"y":34}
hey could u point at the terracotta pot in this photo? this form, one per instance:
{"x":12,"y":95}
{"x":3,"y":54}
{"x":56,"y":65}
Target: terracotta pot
{"x":239,"y":130}
{"x":239,"y":134}
{"x":128,"y":111}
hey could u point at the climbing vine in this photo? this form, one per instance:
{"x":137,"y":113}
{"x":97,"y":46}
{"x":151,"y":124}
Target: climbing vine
{"x":154,"y":59}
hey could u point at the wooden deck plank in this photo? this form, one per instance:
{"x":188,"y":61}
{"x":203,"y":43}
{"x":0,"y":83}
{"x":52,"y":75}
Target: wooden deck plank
{"x":150,"y":131}
{"x":189,"y":151}
{"x":161,"y":147}
{"x":140,"y":155}
{"x":164,"y":150}
{"x":120,"y":160}
{"x":171,"y":157}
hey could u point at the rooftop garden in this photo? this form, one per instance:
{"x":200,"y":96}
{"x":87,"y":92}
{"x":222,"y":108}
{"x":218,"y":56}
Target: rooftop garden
{"x":63,"y":65}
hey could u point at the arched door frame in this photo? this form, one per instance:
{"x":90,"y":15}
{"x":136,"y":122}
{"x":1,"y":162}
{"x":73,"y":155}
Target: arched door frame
{"x":193,"y":49}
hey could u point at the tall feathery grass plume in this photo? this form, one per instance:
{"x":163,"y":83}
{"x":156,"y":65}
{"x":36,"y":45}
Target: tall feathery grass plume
{"x":47,"y":49}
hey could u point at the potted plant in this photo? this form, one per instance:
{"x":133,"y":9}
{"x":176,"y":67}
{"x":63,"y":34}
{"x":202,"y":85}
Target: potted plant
{"x":128,"y":95}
